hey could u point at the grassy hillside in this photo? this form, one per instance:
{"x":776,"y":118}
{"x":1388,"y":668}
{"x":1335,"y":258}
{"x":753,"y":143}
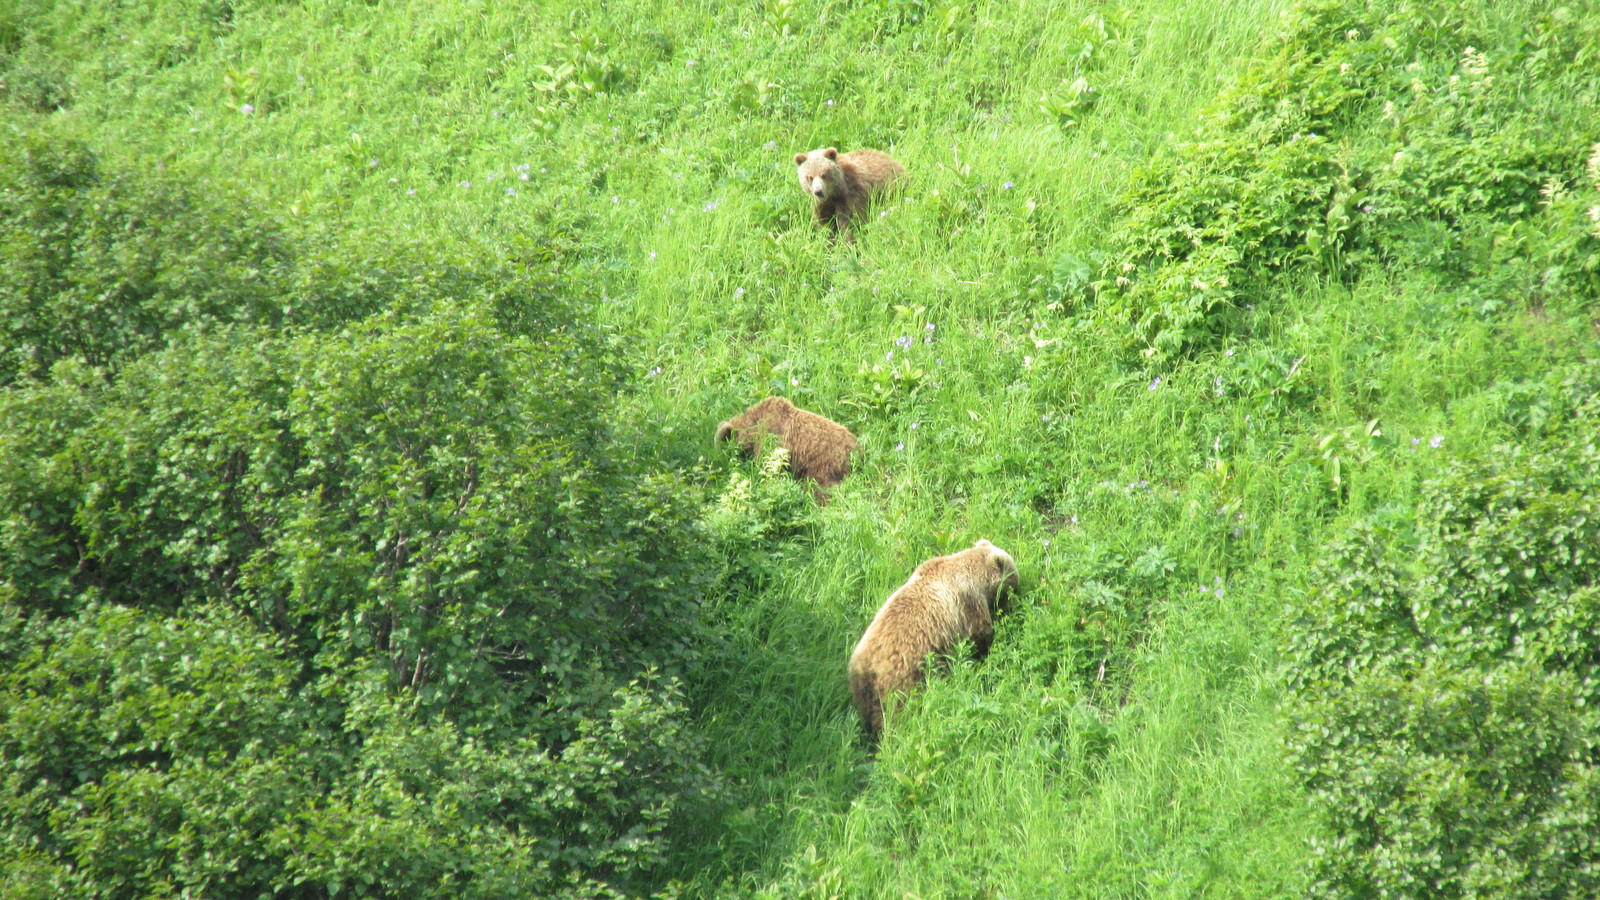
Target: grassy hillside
{"x":1173,"y":294}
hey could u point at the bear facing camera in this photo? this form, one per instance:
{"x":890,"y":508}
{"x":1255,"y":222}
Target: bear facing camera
{"x":844,"y":184}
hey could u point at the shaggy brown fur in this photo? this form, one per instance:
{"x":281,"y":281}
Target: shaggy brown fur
{"x":948,"y":599}
{"x":843,"y":185}
{"x":819,"y":448}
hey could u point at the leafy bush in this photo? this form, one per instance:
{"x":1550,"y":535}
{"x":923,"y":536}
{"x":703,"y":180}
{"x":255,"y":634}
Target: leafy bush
{"x":415,"y":530}
{"x":150,"y":755}
{"x":101,"y":266}
{"x":1446,"y":692}
{"x":107,"y":262}
{"x":1365,"y":134}
{"x":751,"y":521}
{"x":383,"y":608}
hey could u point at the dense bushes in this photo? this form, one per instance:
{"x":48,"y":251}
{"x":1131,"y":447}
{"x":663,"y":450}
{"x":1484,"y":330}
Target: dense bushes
{"x":1369,"y":134}
{"x":101,"y":266}
{"x":1446,"y":683}
{"x":151,"y":755}
{"x":104,"y":263}
{"x":304,"y":608}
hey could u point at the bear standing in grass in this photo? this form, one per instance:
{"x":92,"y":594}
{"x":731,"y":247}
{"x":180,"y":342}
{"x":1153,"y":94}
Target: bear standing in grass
{"x":819,"y":448}
{"x":843,"y":185}
{"x":948,"y":599}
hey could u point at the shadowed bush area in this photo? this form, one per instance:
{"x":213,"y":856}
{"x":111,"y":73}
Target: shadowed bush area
{"x":384,"y":608}
{"x":1444,"y":682}
{"x":106,"y":263}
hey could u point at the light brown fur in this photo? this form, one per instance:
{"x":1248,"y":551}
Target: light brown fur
{"x":844,"y":184}
{"x":819,"y":448}
{"x":948,"y":599}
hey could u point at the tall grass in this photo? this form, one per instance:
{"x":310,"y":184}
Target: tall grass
{"x":1121,"y":740}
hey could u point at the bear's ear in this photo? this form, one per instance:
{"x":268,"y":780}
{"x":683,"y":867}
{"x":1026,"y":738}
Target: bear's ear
{"x":831,"y":153}
{"x":724,"y":431}
{"x":799,"y":159}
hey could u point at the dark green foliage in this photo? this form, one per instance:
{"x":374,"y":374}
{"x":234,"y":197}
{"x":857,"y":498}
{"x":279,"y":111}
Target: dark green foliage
{"x":1370,"y":134}
{"x":752,"y":523}
{"x":149,"y":755}
{"x":103,"y":266}
{"x":385,"y":609}
{"x":1446,"y":683}
{"x":145,"y":752}
{"x":105,"y":263}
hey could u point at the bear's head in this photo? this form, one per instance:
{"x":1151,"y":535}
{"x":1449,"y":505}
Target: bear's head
{"x":1000,"y":569}
{"x":817,"y":170}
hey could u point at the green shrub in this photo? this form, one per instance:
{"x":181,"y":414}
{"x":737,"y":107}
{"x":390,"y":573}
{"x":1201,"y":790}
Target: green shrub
{"x":1365,"y":134}
{"x":105,"y":262}
{"x":140,"y":747}
{"x":1446,"y":694}
{"x":152,"y":755}
{"x":751,"y":521}
{"x":103,"y":265}
{"x":413,"y":545}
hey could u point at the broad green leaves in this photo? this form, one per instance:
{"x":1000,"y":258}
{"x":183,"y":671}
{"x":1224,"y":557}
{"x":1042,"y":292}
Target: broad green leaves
{"x":1445,"y":688}
{"x":344,"y":587}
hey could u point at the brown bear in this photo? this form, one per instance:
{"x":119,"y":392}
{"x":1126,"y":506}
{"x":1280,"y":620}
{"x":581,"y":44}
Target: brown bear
{"x":843,"y":185}
{"x":819,"y":448}
{"x":947,"y":599}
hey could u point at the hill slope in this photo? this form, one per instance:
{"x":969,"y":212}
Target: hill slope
{"x":1172,"y":298}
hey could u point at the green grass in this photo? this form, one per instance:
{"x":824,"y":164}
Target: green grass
{"x":1122,"y":743}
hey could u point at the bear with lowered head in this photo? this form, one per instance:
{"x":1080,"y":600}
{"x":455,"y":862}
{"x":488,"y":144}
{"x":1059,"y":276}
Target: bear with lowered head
{"x":948,"y":599}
